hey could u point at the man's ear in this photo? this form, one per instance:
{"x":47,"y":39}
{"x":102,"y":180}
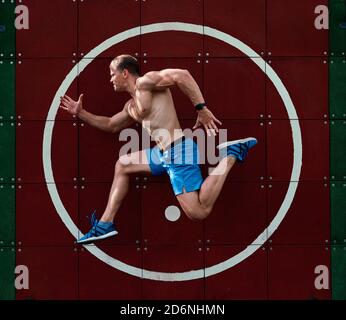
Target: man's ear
{"x":125,"y":73}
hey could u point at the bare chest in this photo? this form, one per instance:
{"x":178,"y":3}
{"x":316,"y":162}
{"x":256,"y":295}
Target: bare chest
{"x":148,"y":105}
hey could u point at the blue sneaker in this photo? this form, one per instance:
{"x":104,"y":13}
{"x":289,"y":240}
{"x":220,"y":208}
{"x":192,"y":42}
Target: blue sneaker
{"x":237,"y":148}
{"x":342,"y":25}
{"x":100,"y":230}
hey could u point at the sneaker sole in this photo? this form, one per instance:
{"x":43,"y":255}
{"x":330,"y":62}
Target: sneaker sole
{"x":229,"y":143}
{"x":104,"y":236}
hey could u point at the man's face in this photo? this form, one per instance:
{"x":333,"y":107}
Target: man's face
{"x":118,"y":78}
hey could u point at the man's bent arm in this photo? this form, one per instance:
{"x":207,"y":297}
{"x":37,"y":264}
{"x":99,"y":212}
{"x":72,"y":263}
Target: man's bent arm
{"x":189,"y":86}
{"x":156,"y":80}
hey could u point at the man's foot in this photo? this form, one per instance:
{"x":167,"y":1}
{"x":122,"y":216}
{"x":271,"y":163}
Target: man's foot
{"x":342,"y":25}
{"x":99,"y":230}
{"x":237,"y":148}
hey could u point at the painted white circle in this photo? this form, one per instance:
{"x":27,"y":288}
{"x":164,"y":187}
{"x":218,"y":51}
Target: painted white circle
{"x":296,"y":136}
{"x":172,"y":213}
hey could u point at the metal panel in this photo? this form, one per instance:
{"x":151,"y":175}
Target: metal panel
{"x":337,"y":16}
{"x":7,"y":152}
{"x":338,"y":209}
{"x":292,"y":272}
{"x":291,"y":29}
{"x":102,"y":19}
{"x":171,"y":43}
{"x":235,"y":219}
{"x":37,"y":81}
{"x":115,"y":284}
{"x":29,"y":166}
{"x":8,"y":31}
{"x":52,"y":273}
{"x":65,"y":146}
{"x":315,"y":149}
{"x":337,"y":90}
{"x":7,"y":89}
{"x":308,"y":219}
{"x":338,"y":272}
{"x":235,"y":88}
{"x":229,"y":17}
{"x":246,"y":280}
{"x":7,"y":275}
{"x":337,"y":149}
{"x":306,"y":80}
{"x":37,"y":221}
{"x":173,"y":259}
{"x":8,"y":215}
{"x":52,"y":30}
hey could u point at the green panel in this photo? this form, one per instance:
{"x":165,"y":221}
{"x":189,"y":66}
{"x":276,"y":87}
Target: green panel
{"x":7,"y":29}
{"x":8,"y":215}
{"x":337,"y":88}
{"x":7,"y":275}
{"x":338,"y":149}
{"x":7,"y":152}
{"x":337,"y":16}
{"x":338,"y":212}
{"x":7,"y":89}
{"x":339,"y":272}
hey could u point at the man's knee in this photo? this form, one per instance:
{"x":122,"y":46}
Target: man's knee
{"x":123,"y":165}
{"x":197,"y":214}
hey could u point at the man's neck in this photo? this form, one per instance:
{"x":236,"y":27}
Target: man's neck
{"x":131,"y":89}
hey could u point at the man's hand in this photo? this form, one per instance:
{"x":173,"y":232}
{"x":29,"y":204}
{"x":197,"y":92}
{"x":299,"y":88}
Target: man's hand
{"x":71,"y":106}
{"x":207,"y":119}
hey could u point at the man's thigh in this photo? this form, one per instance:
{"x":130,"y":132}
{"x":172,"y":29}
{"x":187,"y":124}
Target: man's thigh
{"x":136,"y":162}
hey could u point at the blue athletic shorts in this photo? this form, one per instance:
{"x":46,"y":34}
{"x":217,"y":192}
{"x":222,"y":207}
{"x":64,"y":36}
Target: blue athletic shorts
{"x":180,"y":161}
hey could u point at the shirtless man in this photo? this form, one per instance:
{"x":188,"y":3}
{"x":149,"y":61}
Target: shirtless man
{"x":151,"y":104}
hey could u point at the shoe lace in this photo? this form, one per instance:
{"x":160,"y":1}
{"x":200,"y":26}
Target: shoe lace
{"x":93,"y":219}
{"x":243,"y":148}
{"x":93,"y":222}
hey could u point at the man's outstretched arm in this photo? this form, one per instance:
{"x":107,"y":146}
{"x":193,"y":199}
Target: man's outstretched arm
{"x":113,"y":124}
{"x":159,"y":80}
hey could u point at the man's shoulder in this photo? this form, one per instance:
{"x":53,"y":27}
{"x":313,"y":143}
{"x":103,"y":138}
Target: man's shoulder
{"x":147,"y":81}
{"x":127,"y":104}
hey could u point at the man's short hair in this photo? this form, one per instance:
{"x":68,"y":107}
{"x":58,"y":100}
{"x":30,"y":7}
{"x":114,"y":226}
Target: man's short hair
{"x":126,"y":61}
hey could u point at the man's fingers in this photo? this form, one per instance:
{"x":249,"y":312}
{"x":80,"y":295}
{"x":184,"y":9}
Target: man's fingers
{"x":218,"y":121}
{"x":211,"y":129}
{"x":62,"y":99}
{"x":66,"y":104}
{"x":197,"y":124}
{"x":62,"y":107}
{"x":207,"y":130}
{"x":67,"y":97}
{"x":214,"y":126}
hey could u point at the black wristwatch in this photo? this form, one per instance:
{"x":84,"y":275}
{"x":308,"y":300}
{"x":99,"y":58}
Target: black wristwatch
{"x":200,"y":106}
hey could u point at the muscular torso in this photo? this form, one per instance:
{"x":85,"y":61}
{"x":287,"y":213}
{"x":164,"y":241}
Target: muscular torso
{"x":160,"y":118}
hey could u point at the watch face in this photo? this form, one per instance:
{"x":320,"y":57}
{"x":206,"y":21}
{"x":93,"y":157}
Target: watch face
{"x":200,"y":106}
